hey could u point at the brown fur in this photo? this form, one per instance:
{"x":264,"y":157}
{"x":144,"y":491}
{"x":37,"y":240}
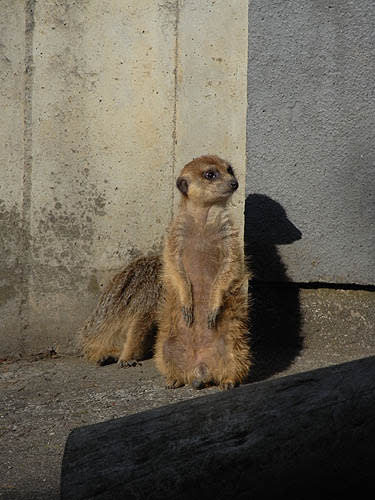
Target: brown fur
{"x":202,"y":336}
{"x":123,"y":325}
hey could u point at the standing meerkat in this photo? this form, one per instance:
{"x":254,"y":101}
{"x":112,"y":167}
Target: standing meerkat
{"x":202,"y":321}
{"x":123,"y":325}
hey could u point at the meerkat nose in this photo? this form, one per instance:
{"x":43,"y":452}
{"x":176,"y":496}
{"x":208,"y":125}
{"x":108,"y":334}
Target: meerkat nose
{"x":234,"y":185}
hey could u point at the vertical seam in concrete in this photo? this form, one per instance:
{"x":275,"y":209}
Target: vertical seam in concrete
{"x":247,"y":157}
{"x":247,"y":108}
{"x":174,"y":134}
{"x":27,"y":172}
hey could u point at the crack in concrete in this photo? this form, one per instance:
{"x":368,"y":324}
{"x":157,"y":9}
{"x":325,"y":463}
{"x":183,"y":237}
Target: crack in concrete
{"x":27,"y":173}
{"x":177,"y":15}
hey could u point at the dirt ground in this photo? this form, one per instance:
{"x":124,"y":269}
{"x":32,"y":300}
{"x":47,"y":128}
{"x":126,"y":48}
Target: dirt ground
{"x":42,"y":400}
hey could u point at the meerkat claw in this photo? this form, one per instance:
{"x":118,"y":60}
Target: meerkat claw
{"x":129,"y":363}
{"x":227,"y":386}
{"x":212,"y":317}
{"x":187,"y":313}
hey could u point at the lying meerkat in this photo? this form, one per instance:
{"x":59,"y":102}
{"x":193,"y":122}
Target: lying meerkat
{"x":123,"y":325}
{"x":202,"y":321}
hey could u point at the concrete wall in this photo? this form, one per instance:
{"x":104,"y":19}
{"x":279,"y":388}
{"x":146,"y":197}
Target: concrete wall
{"x":311,"y":140}
{"x":102,"y":104}
{"x":101,"y":157}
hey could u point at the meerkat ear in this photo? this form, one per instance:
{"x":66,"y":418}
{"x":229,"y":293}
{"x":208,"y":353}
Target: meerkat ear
{"x":182,"y":185}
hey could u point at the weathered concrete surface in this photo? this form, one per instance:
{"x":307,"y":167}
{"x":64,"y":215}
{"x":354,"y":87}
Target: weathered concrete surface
{"x":311,"y":131}
{"x":88,"y":93}
{"x":12,"y":66}
{"x":42,"y":401}
{"x":102,"y":155}
{"x":211,"y":89}
{"x":103,"y":104}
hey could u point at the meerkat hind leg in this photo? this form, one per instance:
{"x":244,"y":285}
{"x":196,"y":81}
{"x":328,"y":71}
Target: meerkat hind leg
{"x":138,"y":342}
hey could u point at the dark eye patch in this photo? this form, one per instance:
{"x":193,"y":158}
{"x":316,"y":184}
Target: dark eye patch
{"x":230,"y":170}
{"x":210,"y":175}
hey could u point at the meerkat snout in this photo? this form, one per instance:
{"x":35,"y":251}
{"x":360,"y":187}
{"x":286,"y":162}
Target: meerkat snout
{"x":234,"y":184}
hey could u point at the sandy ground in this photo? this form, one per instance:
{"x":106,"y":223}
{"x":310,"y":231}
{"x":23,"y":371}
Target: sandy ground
{"x":42,"y":400}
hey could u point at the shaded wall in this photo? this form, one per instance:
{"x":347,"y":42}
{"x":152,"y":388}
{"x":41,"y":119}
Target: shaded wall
{"x":311,"y":133}
{"x":310,"y":188}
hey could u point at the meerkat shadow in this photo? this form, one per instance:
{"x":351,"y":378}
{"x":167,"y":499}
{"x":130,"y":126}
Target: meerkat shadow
{"x":274,"y":306}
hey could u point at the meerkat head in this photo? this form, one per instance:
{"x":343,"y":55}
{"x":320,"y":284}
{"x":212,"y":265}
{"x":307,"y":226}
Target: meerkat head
{"x":207,"y":180}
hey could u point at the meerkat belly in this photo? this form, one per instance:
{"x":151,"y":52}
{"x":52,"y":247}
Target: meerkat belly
{"x":202,"y":260}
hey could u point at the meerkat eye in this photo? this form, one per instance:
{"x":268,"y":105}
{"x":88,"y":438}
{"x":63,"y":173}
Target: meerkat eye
{"x":230,"y":170}
{"x":210,"y":175}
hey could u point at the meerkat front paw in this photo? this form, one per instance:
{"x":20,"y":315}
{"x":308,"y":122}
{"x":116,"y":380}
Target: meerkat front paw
{"x":173,"y":384}
{"x":106,"y":360}
{"x":187,"y":314}
{"x":212,"y":318}
{"x":227,"y":386}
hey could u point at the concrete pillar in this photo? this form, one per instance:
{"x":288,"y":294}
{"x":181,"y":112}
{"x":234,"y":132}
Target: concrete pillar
{"x":103,"y":101}
{"x":12,"y":167}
